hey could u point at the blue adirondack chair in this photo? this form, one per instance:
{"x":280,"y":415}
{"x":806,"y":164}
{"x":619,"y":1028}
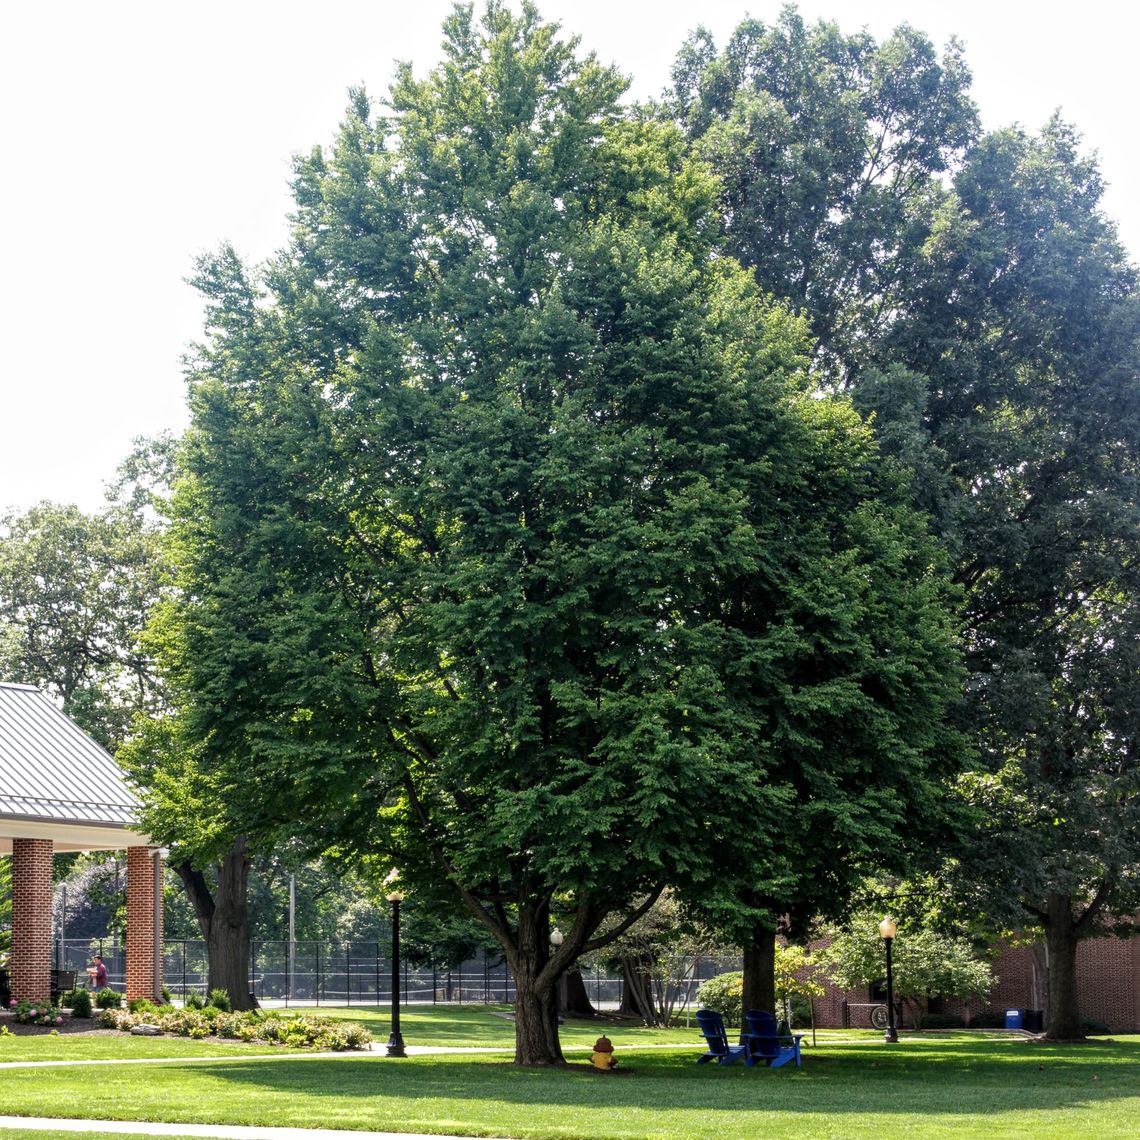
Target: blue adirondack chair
{"x":711,"y":1025}
{"x":764,"y":1044}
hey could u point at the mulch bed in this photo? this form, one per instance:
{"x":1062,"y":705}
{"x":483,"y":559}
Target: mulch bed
{"x":70,"y":1025}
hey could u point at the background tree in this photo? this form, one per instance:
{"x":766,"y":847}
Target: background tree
{"x":978,"y":304}
{"x":831,"y":150}
{"x":1025,"y":348}
{"x":925,"y":964}
{"x":74,"y":592}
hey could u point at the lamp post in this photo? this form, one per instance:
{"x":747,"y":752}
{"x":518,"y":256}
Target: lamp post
{"x":395,"y":897}
{"x":888,"y":930}
{"x":556,"y":940}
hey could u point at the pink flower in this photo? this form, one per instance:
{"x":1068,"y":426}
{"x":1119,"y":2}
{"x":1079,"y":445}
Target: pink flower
{"x":12,"y":1003}
{"x":59,"y":1021}
{"x":33,"y":1012}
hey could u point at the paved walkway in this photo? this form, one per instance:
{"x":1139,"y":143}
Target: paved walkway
{"x":210,"y":1131}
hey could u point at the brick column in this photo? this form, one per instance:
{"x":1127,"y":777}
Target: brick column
{"x":31,"y":919}
{"x":144,"y":925}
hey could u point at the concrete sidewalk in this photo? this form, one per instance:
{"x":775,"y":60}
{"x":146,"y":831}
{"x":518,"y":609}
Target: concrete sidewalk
{"x":210,"y":1131}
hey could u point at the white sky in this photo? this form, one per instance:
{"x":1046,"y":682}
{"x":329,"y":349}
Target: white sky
{"x":136,"y":135}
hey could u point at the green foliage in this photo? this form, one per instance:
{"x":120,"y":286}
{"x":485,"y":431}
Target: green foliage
{"x":144,"y":1006}
{"x":108,"y":998}
{"x":74,"y":593}
{"x":194,"y":1000}
{"x":78,"y":1001}
{"x":302,"y":1031}
{"x":37,"y":1013}
{"x":831,"y":150}
{"x":723,"y":994}
{"x":220,"y":999}
{"x":926,"y":964}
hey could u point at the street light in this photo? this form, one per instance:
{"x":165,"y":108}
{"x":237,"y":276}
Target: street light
{"x":888,"y":930}
{"x":395,"y":897}
{"x":556,"y":940}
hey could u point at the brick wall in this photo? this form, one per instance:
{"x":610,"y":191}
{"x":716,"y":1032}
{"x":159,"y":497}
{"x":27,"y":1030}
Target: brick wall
{"x":1108,"y":986}
{"x":31,"y":919}
{"x":144,"y":940}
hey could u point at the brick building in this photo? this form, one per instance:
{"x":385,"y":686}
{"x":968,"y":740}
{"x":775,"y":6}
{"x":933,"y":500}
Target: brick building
{"x":1108,"y":986}
{"x":60,"y":791}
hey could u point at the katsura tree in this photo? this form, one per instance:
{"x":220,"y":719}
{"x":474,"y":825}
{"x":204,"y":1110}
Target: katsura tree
{"x":509,"y":524}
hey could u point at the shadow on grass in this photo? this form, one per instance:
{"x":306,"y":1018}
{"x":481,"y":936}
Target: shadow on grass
{"x":955,"y":1078}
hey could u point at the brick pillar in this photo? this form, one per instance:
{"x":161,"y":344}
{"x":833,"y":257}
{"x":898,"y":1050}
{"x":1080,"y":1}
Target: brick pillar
{"x":144,"y":925}
{"x":31,"y":919}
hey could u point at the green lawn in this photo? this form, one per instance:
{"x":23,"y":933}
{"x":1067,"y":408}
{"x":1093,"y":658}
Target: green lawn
{"x":960,"y":1084}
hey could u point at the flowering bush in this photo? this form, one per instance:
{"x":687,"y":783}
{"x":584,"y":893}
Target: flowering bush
{"x":296,"y":1031}
{"x":37,"y":1013}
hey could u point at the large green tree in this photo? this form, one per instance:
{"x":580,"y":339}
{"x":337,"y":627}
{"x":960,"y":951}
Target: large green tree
{"x":970,"y":293}
{"x":1022,"y":379}
{"x":510,"y":526}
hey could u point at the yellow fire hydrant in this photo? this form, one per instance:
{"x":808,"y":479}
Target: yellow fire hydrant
{"x":603,"y":1055}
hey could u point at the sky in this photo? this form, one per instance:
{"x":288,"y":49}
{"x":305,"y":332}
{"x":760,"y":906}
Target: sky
{"x":139,"y":135}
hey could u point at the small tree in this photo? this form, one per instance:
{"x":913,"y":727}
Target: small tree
{"x":658,"y":958}
{"x":925,"y":964}
{"x":795,"y":976}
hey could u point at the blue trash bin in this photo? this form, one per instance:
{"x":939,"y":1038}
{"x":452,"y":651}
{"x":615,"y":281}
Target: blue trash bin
{"x":1013,"y":1018}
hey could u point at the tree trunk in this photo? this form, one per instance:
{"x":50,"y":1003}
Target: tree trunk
{"x":576,"y":1000}
{"x":536,"y":989}
{"x":1061,"y":938}
{"x":224,"y":922}
{"x":636,"y":989}
{"x":759,"y":989}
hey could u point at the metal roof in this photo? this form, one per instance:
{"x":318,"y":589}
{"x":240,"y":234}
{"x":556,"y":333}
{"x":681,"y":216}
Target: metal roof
{"x":51,"y":771}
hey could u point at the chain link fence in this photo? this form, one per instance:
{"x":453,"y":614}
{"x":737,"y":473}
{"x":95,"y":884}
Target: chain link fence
{"x":316,"y":973}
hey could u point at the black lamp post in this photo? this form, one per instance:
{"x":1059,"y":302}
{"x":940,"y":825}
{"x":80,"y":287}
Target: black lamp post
{"x":888,"y":930}
{"x":556,"y":940}
{"x":395,"y":897}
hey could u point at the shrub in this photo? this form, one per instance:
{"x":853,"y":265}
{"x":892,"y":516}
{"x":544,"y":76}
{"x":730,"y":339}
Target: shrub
{"x":290,"y":1030}
{"x":37,"y":1013}
{"x":142,"y":1005}
{"x":942,"y":1021}
{"x":78,"y":1001}
{"x":725,"y":995}
{"x":194,"y":1000}
{"x":107,"y":998}
{"x":988,"y":1019}
{"x":167,"y":997}
{"x":220,"y":999}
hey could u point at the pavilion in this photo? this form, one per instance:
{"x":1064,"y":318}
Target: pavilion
{"x":61,"y":791}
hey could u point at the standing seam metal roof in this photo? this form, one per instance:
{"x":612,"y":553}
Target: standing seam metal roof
{"x":51,"y":770}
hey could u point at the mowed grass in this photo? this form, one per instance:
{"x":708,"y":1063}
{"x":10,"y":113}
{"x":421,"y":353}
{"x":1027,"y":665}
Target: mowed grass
{"x":939,"y":1085}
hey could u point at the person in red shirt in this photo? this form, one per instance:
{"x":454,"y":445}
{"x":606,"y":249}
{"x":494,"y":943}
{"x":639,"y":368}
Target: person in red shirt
{"x":97,"y":975}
